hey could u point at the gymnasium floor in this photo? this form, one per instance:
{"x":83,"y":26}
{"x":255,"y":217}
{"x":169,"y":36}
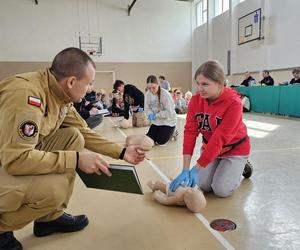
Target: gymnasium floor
{"x":266,"y":207}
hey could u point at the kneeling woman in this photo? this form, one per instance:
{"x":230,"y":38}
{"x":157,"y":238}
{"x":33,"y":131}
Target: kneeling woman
{"x":159,"y":108}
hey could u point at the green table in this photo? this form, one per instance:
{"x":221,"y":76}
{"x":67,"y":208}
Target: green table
{"x":283,"y":100}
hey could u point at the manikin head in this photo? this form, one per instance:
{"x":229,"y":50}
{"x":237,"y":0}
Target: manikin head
{"x":144,"y":141}
{"x":74,"y":71}
{"x":194,"y":200}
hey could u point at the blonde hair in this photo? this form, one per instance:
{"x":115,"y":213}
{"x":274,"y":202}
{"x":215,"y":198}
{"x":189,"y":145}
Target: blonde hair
{"x":188,"y":94}
{"x":212,"y":70}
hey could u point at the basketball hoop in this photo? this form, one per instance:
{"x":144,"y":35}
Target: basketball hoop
{"x":92,"y":45}
{"x":91,"y":52}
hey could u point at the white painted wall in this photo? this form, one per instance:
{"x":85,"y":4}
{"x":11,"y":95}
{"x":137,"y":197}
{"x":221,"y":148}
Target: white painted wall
{"x":220,"y":38}
{"x":156,"y":30}
{"x":279,"y":50}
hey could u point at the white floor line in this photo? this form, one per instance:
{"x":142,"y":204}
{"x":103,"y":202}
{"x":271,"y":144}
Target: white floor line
{"x":199,"y":216}
{"x":118,"y":128}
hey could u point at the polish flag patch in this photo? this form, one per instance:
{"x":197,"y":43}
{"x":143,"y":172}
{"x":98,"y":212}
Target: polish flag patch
{"x":34,"y":101}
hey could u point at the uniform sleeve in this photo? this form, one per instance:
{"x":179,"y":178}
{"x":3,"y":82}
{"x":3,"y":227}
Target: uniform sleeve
{"x":93,"y":141}
{"x":223,"y":134}
{"x":190,"y":130}
{"x":20,"y":123}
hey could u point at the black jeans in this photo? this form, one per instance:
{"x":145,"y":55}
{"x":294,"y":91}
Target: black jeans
{"x":94,"y":121}
{"x":160,"y":134}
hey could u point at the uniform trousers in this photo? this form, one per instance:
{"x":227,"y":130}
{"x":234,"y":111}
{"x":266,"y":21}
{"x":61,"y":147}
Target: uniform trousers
{"x":44,"y":197}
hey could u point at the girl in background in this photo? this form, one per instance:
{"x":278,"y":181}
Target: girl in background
{"x":159,"y":108}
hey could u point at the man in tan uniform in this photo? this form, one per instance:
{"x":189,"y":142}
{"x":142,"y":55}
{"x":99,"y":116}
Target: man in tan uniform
{"x":41,"y":142}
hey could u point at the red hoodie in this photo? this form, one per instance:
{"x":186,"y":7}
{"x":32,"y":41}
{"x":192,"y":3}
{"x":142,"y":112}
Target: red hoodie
{"x":220,"y":122}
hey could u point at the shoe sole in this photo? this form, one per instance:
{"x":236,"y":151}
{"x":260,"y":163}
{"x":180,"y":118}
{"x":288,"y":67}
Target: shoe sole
{"x":248,"y":171}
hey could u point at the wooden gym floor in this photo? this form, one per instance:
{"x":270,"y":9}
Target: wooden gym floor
{"x":266,"y":207}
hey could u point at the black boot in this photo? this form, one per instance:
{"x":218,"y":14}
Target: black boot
{"x":248,"y":170}
{"x":64,"y":224}
{"x":9,"y":242}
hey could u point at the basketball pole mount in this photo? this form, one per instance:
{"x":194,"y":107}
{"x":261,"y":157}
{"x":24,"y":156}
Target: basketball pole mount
{"x":130,"y":7}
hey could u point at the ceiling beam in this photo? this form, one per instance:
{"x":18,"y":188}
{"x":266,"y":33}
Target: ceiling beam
{"x":130,"y":7}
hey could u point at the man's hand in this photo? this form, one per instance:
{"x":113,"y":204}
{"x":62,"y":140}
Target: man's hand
{"x":134,"y":154}
{"x":90,"y":163}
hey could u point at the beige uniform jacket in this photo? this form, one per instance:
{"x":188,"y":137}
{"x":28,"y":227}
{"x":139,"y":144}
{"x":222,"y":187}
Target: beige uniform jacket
{"x":32,"y":107}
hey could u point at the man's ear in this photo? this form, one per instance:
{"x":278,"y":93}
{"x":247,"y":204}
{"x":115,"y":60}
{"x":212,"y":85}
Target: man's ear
{"x":70,"y":82}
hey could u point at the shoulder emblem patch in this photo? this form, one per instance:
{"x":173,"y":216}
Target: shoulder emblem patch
{"x":34,"y":101}
{"x":28,"y":129}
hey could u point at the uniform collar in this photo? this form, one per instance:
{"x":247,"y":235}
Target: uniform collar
{"x":56,"y":89}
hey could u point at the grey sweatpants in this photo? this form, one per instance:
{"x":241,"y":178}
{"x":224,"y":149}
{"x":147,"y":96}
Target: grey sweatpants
{"x":223,"y":175}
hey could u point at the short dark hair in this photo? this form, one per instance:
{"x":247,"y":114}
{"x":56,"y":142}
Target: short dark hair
{"x":152,"y":79}
{"x":266,"y":71}
{"x":70,"y":62}
{"x":117,"y":84}
{"x":296,"y":71}
{"x":162,"y":77}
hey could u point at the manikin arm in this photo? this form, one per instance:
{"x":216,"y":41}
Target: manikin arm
{"x":157,"y":186}
{"x":164,"y":199}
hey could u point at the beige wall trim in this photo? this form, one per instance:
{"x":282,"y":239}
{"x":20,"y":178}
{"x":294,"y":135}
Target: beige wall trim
{"x":177,"y":73}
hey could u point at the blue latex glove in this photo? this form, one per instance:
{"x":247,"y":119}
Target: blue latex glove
{"x":140,"y":109}
{"x":181,"y":179}
{"x":152,"y":117}
{"x":194,"y":176}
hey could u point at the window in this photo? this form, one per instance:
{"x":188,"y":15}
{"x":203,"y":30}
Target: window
{"x":221,"y":6}
{"x":201,"y":12}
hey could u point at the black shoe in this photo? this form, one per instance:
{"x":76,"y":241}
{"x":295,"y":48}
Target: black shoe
{"x":64,"y":224}
{"x":9,"y":242}
{"x":248,"y":170}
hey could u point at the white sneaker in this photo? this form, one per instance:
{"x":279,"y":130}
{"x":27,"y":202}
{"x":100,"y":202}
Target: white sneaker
{"x":175,"y":135}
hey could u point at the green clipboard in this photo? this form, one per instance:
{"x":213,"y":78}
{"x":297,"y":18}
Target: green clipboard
{"x":124,"y":179}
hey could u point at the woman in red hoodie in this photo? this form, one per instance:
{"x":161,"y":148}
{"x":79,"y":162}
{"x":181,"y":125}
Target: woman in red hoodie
{"x":215,"y":112}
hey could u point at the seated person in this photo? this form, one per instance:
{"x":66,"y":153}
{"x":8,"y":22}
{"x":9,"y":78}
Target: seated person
{"x":249,"y":80}
{"x":187,"y":97}
{"x":267,"y":79}
{"x":296,"y":78}
{"x":88,"y":109}
{"x":174,"y":94}
{"x":180,"y":104}
{"x":163,"y":83}
{"x":117,"y":108}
